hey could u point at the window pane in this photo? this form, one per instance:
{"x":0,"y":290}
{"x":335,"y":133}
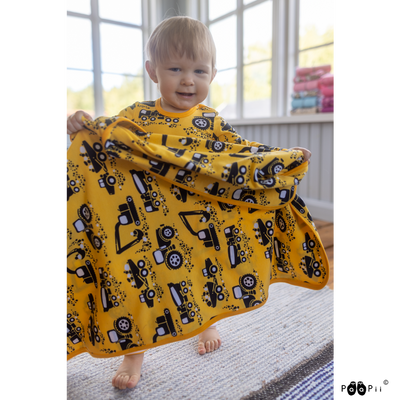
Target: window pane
{"x":80,"y":92}
{"x":120,"y":91}
{"x":79,"y":43}
{"x":316,"y":23}
{"x":121,"y":10}
{"x":224,"y":34}
{"x":257,"y":37}
{"x":316,"y":57}
{"x":223,"y":93}
{"x":247,"y":1}
{"x":121,"y":49}
{"x":217,"y":8}
{"x":257,"y":90}
{"x":80,"y":6}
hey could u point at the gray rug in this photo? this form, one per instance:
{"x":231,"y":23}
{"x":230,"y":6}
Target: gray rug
{"x":262,"y":356}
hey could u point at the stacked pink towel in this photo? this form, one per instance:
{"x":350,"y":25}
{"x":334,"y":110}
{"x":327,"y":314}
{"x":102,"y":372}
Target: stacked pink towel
{"x":312,"y":90}
{"x":325,"y":85}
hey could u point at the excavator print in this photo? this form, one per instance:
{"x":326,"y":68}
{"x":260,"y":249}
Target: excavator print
{"x":208,"y":235}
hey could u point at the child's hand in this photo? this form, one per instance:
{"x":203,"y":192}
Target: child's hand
{"x":74,"y":121}
{"x":307,"y":153}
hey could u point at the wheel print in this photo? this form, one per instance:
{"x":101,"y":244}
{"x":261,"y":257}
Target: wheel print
{"x":218,"y":289}
{"x":174,"y":259}
{"x":317,"y":273}
{"x":102,"y":156}
{"x":281,"y":224}
{"x":97,"y":242}
{"x":151,"y":294}
{"x":123,"y":325}
{"x":111,"y":180}
{"x":277,"y":168}
{"x":256,"y":303}
{"x":144,"y":272}
{"x":97,"y":146}
{"x":242,"y":169}
{"x":221,"y":296}
{"x":250,"y":199}
{"x":85,"y":213}
{"x":316,"y":264}
{"x":167,"y":232}
{"x":249,"y":281}
{"x":214,"y":269}
{"x":269,"y":182}
{"x":201,"y":123}
{"x":218,"y":146}
{"x":141,"y":264}
{"x":311,"y":244}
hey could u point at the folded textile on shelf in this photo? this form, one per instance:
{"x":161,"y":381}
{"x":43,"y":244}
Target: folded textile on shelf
{"x":327,"y":101}
{"x":302,"y":111}
{"x":326,"y":109}
{"x":306,"y":102}
{"x":306,"y":86}
{"x":303,"y":71}
{"x":301,"y":95}
{"x":327,"y":91}
{"x":325,"y":80}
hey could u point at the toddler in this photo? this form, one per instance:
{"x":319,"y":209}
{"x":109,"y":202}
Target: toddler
{"x":181,"y":61}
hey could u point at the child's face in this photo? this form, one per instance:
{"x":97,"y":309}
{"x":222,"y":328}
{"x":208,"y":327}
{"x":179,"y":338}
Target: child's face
{"x":182,"y":82}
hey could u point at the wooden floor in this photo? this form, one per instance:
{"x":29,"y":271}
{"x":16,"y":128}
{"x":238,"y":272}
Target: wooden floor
{"x":325,"y":230}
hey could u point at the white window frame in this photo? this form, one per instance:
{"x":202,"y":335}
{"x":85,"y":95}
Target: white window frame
{"x":149,"y":22}
{"x":285,"y":56}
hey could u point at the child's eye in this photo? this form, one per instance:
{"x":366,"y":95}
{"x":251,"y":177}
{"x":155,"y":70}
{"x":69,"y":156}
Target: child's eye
{"x":199,"y":71}
{"x":175,"y":69}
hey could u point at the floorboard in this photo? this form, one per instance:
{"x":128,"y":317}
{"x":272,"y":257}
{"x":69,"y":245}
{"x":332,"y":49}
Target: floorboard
{"x":325,"y":230}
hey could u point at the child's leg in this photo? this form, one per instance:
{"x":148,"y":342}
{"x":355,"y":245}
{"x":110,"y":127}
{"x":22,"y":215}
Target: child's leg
{"x":209,"y":340}
{"x":128,"y":373}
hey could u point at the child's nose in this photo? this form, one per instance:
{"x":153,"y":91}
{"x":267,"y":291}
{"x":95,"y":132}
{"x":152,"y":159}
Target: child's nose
{"x":187,"y":80}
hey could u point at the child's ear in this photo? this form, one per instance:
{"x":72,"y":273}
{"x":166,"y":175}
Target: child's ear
{"x":151,"y":71}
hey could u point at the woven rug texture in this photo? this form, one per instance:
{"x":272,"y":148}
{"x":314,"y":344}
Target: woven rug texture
{"x":259,"y":348}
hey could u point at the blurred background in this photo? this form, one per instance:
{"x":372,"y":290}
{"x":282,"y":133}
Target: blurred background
{"x":261,"y":44}
{"x":106,"y":41}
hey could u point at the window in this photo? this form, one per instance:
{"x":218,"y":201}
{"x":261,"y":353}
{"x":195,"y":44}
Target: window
{"x":259,"y":44}
{"x":316,"y":33}
{"x":102,"y":76}
{"x":242,"y":31}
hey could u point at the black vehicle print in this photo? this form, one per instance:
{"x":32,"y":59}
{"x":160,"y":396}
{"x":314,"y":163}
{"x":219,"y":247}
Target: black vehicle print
{"x":207,"y":235}
{"x":159,"y":167}
{"x":139,"y":273}
{"x":165,"y":326}
{"x":142,"y":180}
{"x":180,"y":193}
{"x":285,"y":194}
{"x":183,"y":176}
{"x":214,"y":190}
{"x":97,"y":163}
{"x":280,"y":255}
{"x":197,"y":162}
{"x":246,"y":195}
{"x":213,"y":292}
{"x":236,"y":254}
{"x":179,"y":294}
{"x":93,"y":331}
{"x":167,"y":252}
{"x":73,"y":331}
{"x":86,"y":272}
{"x":310,"y":266}
{"x":91,"y":303}
{"x":108,"y":300}
{"x":83,"y":224}
{"x":215,"y":145}
{"x":308,"y":244}
{"x":128,"y":215}
{"x":299,"y":204}
{"x":264,"y":233}
{"x":144,"y":115}
{"x":121,"y":334}
{"x":176,"y":151}
{"x":246,"y":290}
{"x":205,"y":122}
{"x":71,"y":187}
{"x":234,"y":174}
{"x":264,"y":176}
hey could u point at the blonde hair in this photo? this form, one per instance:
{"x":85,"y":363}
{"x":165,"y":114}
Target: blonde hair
{"x":180,"y":36}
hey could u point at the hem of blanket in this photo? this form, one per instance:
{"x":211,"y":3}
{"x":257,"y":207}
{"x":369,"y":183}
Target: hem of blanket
{"x":196,"y":331}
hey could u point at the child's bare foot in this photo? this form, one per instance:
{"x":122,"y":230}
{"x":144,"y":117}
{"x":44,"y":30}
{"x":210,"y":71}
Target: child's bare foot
{"x":209,"y":340}
{"x":128,"y":373}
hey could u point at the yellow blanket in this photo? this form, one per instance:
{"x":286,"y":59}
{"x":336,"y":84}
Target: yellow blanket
{"x":169,"y":234}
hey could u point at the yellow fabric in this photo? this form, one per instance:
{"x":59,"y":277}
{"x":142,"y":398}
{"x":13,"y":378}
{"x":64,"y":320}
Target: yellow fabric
{"x":167,"y":235}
